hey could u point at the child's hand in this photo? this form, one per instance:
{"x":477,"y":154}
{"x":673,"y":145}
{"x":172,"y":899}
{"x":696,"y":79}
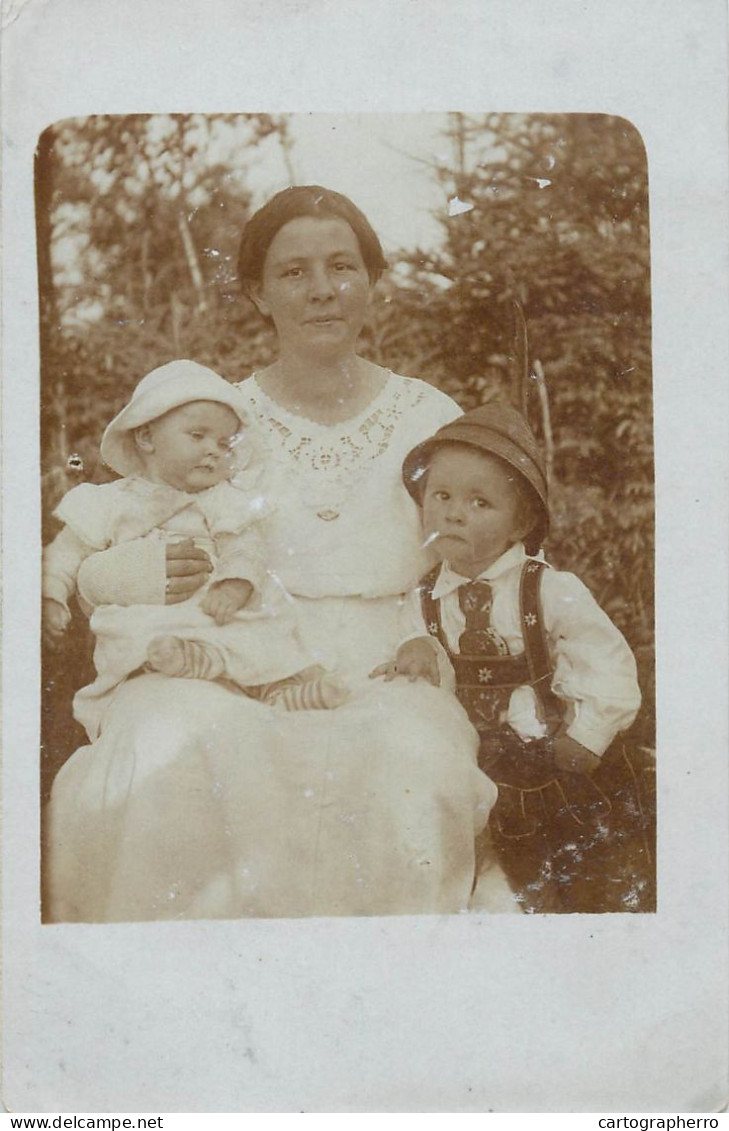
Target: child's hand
{"x":55,"y":619}
{"x":225,"y":598}
{"x":415,"y":659}
{"x":572,"y":756}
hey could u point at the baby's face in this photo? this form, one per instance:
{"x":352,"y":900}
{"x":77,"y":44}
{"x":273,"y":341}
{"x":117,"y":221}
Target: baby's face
{"x":472,"y":512}
{"x":191,"y":447}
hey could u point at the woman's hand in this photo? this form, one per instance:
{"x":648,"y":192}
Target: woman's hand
{"x":188,"y":567}
{"x":416,"y":659}
{"x":225,"y":598}
{"x":56,"y":620}
{"x":572,"y":756}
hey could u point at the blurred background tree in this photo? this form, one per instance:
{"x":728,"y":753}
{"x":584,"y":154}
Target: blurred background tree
{"x":139,"y":219}
{"x":550,"y":212}
{"x":138,"y":231}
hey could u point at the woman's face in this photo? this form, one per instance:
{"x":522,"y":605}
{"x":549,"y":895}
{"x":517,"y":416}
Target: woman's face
{"x":315,"y":286}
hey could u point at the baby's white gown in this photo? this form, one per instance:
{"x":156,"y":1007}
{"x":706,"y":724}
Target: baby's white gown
{"x":197,"y":802}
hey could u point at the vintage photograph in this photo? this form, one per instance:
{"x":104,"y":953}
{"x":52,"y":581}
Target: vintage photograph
{"x":348,"y":516}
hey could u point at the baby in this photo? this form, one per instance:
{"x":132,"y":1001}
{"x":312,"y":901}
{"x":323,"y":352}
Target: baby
{"x":545,"y":677}
{"x":183,"y":448}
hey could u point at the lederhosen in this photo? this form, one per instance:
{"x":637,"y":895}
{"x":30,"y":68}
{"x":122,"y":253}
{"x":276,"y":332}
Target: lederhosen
{"x":553,"y":831}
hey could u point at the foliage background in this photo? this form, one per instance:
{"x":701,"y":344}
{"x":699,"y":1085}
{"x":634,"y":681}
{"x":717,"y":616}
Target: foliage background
{"x":138,"y":220}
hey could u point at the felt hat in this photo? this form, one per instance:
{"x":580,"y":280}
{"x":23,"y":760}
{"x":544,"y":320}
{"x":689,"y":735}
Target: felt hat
{"x":167,"y":387}
{"x":499,"y":430}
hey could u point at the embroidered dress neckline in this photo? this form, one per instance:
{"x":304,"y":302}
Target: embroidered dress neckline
{"x":300,"y":420}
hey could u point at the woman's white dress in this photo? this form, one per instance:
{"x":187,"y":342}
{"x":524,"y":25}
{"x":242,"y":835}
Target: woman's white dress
{"x":198,"y":802}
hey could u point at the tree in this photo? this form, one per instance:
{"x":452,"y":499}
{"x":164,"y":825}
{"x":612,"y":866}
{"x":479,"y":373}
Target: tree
{"x":550,"y":214}
{"x":138,"y":222}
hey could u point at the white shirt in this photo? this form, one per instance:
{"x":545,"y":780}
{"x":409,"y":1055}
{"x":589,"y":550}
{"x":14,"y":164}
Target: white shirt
{"x":594,"y":669}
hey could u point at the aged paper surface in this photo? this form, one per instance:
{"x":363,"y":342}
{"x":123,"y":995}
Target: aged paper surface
{"x":469,"y":1013}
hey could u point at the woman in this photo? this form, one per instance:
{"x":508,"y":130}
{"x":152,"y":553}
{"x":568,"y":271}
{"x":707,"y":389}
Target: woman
{"x":199,"y":802}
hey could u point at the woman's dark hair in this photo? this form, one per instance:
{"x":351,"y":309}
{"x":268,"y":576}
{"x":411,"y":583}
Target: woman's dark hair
{"x":291,"y":204}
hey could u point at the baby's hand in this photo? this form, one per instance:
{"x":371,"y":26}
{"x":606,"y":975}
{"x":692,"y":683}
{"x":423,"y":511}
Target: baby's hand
{"x":572,"y":756}
{"x":415,"y":659}
{"x":225,"y":598}
{"x":55,"y":621}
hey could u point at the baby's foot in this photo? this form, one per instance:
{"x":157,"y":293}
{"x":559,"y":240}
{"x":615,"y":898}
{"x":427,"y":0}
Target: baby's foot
{"x":304,"y":692}
{"x":184,"y":659}
{"x":331,"y":691}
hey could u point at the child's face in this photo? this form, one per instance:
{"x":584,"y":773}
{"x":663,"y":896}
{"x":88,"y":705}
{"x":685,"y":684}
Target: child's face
{"x":190,"y":447}
{"x":472,"y":512}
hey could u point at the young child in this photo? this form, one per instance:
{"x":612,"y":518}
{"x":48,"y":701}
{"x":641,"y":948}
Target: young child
{"x":189,"y":471}
{"x":544,"y":675}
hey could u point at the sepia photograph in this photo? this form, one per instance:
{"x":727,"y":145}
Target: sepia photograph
{"x":364,"y":558}
{"x":348,"y":516}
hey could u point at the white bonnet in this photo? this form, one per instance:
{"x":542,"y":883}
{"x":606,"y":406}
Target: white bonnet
{"x":165,"y":388}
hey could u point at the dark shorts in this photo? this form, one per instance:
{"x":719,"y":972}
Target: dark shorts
{"x":573,"y":842}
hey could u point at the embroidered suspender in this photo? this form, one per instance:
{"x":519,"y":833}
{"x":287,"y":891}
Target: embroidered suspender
{"x":535,"y":643}
{"x":430,"y":608}
{"x":504,"y":672}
